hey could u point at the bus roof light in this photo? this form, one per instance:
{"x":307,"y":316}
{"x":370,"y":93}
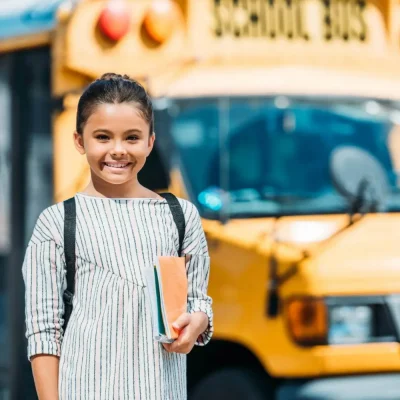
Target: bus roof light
{"x":161,"y":19}
{"x":115,"y":20}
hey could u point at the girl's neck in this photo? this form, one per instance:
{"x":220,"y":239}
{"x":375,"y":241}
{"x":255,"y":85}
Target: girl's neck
{"x":131,"y":189}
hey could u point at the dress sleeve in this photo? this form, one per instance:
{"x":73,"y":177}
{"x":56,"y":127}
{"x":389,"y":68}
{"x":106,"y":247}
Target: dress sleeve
{"x":198,"y":270}
{"x":44,"y":276}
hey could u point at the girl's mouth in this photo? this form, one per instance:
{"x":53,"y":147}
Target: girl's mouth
{"x":117,"y":165}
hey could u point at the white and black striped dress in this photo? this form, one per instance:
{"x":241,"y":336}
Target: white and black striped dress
{"x":108,"y":351}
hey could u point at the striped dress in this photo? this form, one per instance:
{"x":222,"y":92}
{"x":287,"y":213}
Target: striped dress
{"x":108,"y":351}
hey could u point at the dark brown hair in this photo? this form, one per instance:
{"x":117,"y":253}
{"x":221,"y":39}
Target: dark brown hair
{"x":112,"y":88}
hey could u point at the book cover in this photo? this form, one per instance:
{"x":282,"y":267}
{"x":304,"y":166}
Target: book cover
{"x":167,"y":288}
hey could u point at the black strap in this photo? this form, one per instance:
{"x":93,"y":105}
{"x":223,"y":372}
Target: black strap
{"x":178,"y":216}
{"x":69,"y":251}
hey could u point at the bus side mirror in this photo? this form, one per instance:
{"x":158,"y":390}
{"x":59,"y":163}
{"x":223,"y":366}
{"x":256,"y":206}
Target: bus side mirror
{"x":360,"y":178}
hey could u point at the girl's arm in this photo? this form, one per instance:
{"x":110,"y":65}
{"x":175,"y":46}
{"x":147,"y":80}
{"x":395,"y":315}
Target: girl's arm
{"x":198,"y":272}
{"x":196,"y":326}
{"x":45,"y":374}
{"x":44,"y":276}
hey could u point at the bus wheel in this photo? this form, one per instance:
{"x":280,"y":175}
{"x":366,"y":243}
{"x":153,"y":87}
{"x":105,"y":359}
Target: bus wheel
{"x":233,"y":384}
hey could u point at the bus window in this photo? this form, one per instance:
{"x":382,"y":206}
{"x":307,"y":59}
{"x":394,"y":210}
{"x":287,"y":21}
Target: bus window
{"x":278,"y":157}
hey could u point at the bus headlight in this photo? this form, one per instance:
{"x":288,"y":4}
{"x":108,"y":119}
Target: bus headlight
{"x":350,"y":324}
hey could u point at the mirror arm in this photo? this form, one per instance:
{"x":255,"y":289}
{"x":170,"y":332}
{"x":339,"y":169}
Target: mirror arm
{"x":275,"y":281}
{"x":272,"y":287}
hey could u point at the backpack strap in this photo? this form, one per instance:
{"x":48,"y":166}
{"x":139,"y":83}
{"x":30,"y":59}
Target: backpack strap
{"x":69,"y":251}
{"x":177,"y":214}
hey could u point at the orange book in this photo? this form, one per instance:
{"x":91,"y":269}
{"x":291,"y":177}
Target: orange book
{"x":167,"y":288}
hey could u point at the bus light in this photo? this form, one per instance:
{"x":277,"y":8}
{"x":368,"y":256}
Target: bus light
{"x":115,"y":20}
{"x":161,"y":19}
{"x":307,"y":320}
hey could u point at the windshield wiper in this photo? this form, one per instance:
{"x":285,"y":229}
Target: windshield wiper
{"x":360,"y":205}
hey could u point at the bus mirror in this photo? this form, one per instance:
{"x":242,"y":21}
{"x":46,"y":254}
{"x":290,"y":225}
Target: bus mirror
{"x":360,"y":178}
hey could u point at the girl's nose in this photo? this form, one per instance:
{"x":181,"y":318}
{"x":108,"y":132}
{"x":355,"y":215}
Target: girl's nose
{"x":118,"y":150}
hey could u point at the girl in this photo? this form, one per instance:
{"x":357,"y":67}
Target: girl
{"x":108,"y":351}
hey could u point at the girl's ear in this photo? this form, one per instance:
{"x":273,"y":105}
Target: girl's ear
{"x":78,"y":141}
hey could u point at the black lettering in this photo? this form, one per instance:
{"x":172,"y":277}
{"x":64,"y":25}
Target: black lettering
{"x":253,"y":19}
{"x":217,"y":18}
{"x":259,"y":18}
{"x":237,"y":31}
{"x":225,"y":22}
{"x":290,"y":19}
{"x":246,"y":26}
{"x":339,"y":18}
{"x":335,"y":16}
{"x":280,"y":18}
{"x":254,"y":16}
{"x":346,"y":19}
{"x":231,"y":23}
{"x":327,"y":20}
{"x":300,"y":26}
{"x":271,"y":19}
{"x":336,"y":19}
{"x":263,"y":17}
{"x":359,"y":25}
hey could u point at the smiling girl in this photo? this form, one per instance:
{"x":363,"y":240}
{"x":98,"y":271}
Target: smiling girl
{"x":108,"y":351}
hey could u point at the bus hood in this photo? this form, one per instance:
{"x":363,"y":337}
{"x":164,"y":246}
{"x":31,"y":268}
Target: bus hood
{"x":361,"y":259}
{"x":365,"y":258}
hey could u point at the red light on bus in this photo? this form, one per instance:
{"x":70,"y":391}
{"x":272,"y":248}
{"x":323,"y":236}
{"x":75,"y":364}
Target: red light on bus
{"x":160,"y":19}
{"x":115,"y":20}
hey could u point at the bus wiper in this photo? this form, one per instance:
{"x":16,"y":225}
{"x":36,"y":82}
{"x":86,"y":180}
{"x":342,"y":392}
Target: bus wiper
{"x":359,"y":205}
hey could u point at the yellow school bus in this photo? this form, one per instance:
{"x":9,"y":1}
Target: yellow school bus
{"x":280,"y":120}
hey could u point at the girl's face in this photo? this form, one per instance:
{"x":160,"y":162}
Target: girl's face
{"x":116,"y":142}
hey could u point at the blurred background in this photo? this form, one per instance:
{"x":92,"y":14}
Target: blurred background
{"x":280,"y":120}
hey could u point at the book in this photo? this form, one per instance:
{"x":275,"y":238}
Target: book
{"x":167,"y":288}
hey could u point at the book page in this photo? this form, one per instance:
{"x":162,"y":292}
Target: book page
{"x":152,"y":294}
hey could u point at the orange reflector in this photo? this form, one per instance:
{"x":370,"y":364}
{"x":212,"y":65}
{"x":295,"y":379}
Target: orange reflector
{"x":307,"y":320}
{"x":160,"y":19}
{"x":115,"y":20}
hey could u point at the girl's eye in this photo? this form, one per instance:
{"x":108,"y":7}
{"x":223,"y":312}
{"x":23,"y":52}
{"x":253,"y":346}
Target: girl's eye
{"x":102,"y":137}
{"x":132,"y":137}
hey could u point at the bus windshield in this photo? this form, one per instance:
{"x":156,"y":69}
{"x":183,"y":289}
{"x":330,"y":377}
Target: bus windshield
{"x":270,"y":156}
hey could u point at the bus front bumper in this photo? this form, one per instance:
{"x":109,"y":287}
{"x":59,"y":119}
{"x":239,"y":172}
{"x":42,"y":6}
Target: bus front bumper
{"x":366,"y":387}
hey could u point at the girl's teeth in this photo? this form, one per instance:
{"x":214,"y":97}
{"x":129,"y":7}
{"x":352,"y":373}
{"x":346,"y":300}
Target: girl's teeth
{"x":116,"y":165}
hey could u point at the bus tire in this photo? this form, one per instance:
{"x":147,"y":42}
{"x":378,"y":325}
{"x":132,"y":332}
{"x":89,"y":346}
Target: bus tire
{"x":233,"y":384}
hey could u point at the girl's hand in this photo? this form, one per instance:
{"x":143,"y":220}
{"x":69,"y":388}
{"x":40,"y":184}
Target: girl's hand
{"x":190,"y":327}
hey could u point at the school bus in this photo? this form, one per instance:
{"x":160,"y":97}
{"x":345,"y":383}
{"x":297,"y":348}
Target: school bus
{"x":280,"y":120}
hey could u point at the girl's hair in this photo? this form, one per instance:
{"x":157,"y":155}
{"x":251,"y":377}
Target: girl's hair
{"x":112,"y":88}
